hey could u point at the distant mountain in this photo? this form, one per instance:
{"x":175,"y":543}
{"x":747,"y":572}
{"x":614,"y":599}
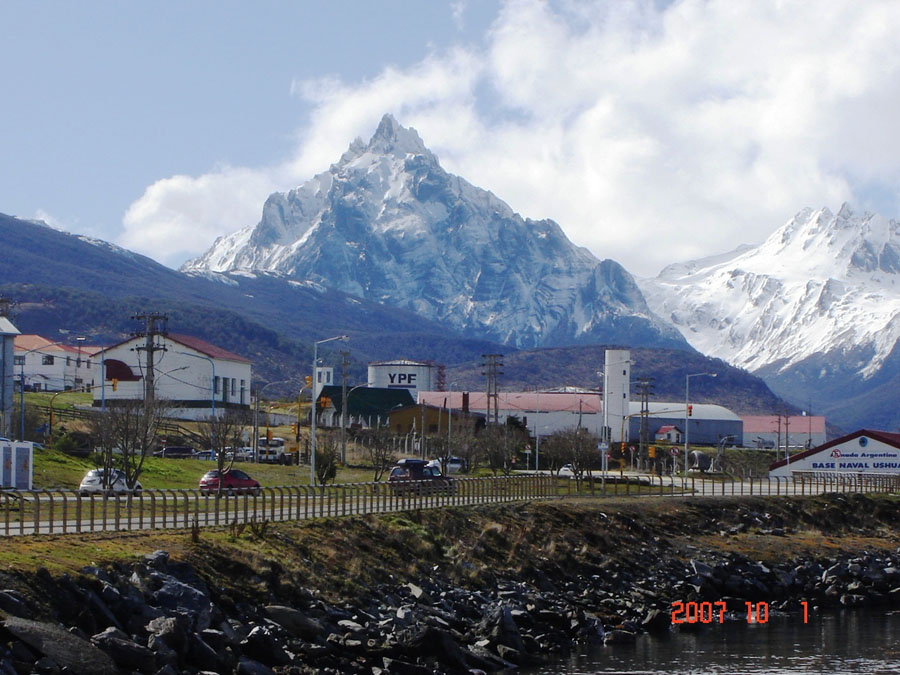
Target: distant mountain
{"x":389,"y":225}
{"x":815,"y":310}
{"x":64,"y":282}
{"x":90,"y":287}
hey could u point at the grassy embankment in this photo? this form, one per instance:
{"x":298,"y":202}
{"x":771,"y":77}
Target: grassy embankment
{"x":472,"y":546}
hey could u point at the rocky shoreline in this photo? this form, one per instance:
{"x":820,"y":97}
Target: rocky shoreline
{"x":597,"y":572}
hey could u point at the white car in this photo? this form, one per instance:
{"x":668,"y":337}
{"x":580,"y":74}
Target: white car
{"x":92,"y":483}
{"x":453,"y":464}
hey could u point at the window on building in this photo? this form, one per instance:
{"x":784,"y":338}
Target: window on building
{"x":233,"y":386}
{"x":19,"y":360}
{"x":47,"y":360}
{"x":215,"y":385}
{"x":243,"y":391}
{"x":319,"y":376}
{"x":68,"y":360}
{"x":87,"y":362}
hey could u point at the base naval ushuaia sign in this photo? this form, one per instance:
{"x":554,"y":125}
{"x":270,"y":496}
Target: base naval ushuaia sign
{"x":863,"y":451}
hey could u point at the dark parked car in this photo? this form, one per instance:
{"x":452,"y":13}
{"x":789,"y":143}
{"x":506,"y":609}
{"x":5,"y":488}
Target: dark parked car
{"x":233,"y":481}
{"x":416,"y":476}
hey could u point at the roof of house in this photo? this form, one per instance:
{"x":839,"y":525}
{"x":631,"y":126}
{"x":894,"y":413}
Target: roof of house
{"x":205,"y":347}
{"x":365,"y":401}
{"x":526,"y":402}
{"x":676,"y":409}
{"x":197,"y":345}
{"x":765,"y":424}
{"x":31,"y":342}
{"x":667,"y":428}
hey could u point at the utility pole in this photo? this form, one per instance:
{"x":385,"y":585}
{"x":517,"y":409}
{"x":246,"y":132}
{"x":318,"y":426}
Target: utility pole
{"x":492,"y":370}
{"x":645,"y":390}
{"x":345,"y":361}
{"x":154,"y":325}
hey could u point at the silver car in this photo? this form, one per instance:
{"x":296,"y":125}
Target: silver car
{"x":92,"y":483}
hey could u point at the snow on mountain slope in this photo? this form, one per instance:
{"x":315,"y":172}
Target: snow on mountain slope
{"x":388,"y":224}
{"x":823,"y":283}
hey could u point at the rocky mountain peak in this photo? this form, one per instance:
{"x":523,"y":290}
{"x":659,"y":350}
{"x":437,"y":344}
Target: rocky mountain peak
{"x":388,"y":224}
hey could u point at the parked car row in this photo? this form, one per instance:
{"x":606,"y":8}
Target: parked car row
{"x":408,"y":477}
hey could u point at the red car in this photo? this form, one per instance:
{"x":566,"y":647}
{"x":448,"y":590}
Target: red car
{"x":233,"y":481}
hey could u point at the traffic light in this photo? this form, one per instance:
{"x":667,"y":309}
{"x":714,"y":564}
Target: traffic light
{"x":652,"y":451}
{"x":308,"y":380}
{"x":690,"y":411}
{"x":294,"y":428}
{"x":115,"y":383}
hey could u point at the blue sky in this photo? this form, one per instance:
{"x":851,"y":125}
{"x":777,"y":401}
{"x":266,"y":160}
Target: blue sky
{"x":652,"y":132}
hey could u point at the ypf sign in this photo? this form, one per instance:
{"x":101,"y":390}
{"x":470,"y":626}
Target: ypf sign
{"x":402,"y":380}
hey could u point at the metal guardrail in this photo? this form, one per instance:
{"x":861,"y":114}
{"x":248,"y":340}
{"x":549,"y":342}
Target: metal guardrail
{"x":67,"y":512}
{"x":801,"y":483}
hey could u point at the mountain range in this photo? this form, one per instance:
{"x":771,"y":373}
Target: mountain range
{"x":414,"y":262}
{"x":814,"y":310}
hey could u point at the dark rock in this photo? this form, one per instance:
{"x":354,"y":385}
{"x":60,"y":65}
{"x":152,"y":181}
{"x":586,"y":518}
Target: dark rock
{"x":396,"y":667}
{"x":297,"y":623}
{"x":618,"y":637}
{"x":247,"y":666}
{"x":125,"y":652}
{"x":13,"y":602}
{"x":68,"y":650}
{"x":157,"y":560}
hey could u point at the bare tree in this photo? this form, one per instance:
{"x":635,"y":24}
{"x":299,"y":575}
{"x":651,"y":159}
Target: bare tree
{"x":499,"y":445}
{"x":378,"y":445}
{"x":127,"y":433}
{"x":577,"y":447}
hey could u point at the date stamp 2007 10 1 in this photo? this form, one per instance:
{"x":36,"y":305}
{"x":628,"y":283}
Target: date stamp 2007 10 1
{"x":714,"y":612}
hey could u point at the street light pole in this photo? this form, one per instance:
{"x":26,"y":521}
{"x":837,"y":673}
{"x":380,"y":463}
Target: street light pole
{"x":312,"y":421}
{"x":687,"y":385}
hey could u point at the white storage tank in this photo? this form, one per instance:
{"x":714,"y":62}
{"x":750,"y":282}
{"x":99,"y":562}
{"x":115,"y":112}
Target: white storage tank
{"x":414,"y":376}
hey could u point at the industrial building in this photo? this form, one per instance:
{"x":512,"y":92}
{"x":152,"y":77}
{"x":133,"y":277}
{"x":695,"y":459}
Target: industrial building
{"x":542,"y":412}
{"x":704,"y":423}
{"x":413,"y":376}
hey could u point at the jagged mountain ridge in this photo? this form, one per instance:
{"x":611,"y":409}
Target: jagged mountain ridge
{"x":815,"y":309}
{"x":388,"y":224}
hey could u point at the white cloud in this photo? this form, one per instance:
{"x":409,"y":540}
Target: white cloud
{"x":650,"y":134}
{"x":180,"y":216}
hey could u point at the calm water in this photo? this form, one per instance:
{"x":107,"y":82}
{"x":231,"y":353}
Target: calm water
{"x":857,"y":641}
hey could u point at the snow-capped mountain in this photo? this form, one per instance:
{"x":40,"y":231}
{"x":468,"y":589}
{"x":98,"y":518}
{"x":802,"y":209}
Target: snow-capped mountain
{"x":816,"y":306}
{"x":387,"y":223}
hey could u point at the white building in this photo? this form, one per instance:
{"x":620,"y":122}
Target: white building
{"x":543,"y":412}
{"x":53,"y":366}
{"x":865,"y":451}
{"x":196,"y":378}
